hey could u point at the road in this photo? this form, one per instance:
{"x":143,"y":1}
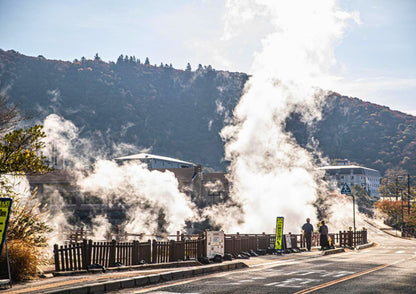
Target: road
{"x":389,"y":267}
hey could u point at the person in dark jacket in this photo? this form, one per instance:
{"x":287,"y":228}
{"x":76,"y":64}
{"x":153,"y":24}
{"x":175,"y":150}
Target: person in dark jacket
{"x":323,"y":230}
{"x":307,"y":232}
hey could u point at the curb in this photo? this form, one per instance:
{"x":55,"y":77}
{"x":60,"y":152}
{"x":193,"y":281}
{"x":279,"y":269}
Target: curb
{"x":368,"y":245}
{"x":142,"y":281}
{"x":333,"y":251}
{"x":130,"y":268}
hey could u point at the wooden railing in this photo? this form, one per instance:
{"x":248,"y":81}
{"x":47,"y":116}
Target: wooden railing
{"x":87,"y":254}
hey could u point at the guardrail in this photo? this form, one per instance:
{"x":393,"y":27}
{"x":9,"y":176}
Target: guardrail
{"x":88,"y":254}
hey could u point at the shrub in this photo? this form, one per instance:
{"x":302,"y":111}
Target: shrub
{"x":24,"y":260}
{"x":26,"y":234}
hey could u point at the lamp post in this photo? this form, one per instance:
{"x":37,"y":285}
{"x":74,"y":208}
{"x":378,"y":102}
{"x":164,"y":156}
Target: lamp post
{"x":347,"y":191}
{"x":353,"y":211}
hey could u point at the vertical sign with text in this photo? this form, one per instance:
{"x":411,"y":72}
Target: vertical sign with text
{"x":5,"y":207}
{"x":279,"y":233}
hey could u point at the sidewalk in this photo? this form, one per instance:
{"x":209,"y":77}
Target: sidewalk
{"x":138,"y":276}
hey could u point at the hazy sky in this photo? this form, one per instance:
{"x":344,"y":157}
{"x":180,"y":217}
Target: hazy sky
{"x":376,"y":58}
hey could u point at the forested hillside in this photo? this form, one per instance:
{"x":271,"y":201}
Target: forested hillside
{"x":179,"y":113}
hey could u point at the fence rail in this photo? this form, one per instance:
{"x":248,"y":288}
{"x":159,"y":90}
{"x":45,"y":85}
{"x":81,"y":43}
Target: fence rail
{"x":85,"y":254}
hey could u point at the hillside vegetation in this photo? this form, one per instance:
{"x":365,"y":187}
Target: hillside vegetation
{"x":179,"y":113}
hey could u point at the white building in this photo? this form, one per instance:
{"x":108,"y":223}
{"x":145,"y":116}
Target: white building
{"x":156,"y":161}
{"x":365,"y":177}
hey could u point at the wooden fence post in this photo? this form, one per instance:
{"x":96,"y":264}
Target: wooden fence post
{"x":340,"y":239}
{"x":112,"y":257}
{"x":154,"y":251}
{"x":86,"y":255}
{"x":204,"y":247}
{"x":135,"y":252}
{"x":350,"y":237}
{"x":56,"y":253}
{"x":148,"y":257}
{"x":172,"y":250}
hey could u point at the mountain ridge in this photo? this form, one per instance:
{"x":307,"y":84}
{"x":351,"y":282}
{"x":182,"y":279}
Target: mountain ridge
{"x":179,"y":113}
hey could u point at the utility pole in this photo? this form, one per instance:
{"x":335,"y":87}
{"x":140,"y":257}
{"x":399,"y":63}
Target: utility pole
{"x":408,"y":194}
{"x":402,"y":224}
{"x":397,"y":197}
{"x":397,"y":188}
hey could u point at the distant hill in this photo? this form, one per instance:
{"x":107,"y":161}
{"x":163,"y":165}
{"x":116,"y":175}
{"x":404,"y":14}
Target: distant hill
{"x":179,"y":113}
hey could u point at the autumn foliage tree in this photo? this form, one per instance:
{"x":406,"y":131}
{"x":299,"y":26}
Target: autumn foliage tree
{"x":20,"y":155}
{"x":398,"y":215}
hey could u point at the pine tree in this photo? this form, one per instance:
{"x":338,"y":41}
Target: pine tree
{"x":200,"y":68}
{"x":120,"y":59}
{"x":96,"y":57}
{"x":188,"y":67}
{"x":147,"y":61}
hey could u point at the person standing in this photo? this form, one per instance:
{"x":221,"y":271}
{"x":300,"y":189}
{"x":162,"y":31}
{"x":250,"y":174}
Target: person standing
{"x":323,"y":230}
{"x":307,"y":232}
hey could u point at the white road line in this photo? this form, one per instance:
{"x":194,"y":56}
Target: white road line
{"x":262,"y":278}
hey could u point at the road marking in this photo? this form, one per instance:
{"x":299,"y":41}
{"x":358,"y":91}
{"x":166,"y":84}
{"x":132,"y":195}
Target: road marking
{"x":293,"y":282}
{"x":324,"y":285}
{"x":262,"y":278}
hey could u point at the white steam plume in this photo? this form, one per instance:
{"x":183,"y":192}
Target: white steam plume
{"x":271,"y":174}
{"x":150,"y":199}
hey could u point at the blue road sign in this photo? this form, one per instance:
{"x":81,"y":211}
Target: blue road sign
{"x":345,"y":189}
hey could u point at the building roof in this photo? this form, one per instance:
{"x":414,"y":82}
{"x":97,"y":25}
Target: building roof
{"x":142,"y":156}
{"x":334,"y":167}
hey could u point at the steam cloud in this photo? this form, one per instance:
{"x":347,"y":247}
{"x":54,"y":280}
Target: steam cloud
{"x":271,"y":174}
{"x":150,"y":199}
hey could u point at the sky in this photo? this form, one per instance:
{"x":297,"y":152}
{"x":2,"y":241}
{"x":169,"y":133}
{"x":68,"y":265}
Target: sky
{"x":375,"y":58}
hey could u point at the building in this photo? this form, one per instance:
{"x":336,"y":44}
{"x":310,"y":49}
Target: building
{"x":156,"y":161}
{"x":60,"y":190}
{"x":337,"y":175}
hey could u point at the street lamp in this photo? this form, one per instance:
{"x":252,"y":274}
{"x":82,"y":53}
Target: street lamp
{"x":347,"y":191}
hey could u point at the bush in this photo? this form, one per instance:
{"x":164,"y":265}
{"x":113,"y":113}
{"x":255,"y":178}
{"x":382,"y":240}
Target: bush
{"x":24,"y":260}
{"x":26,"y":234}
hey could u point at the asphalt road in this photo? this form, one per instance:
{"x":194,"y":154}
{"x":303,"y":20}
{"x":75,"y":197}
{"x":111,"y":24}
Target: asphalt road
{"x":389,"y":267}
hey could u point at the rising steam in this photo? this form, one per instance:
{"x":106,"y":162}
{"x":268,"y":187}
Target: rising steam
{"x":271,"y":174}
{"x":150,"y":199}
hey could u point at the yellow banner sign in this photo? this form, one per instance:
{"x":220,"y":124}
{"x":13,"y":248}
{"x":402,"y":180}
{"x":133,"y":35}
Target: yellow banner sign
{"x":279,"y":233}
{"x":5,"y":207}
